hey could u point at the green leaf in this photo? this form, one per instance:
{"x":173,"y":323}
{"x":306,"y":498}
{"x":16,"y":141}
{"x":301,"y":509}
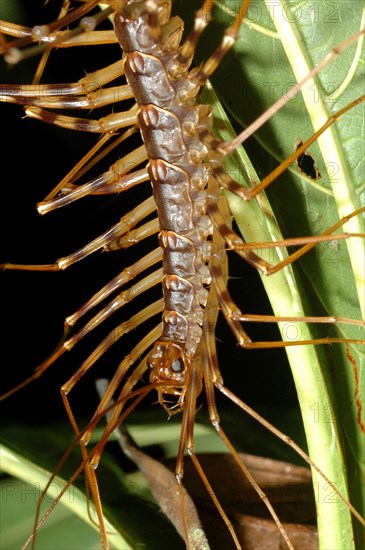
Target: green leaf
{"x":20,"y":494}
{"x":258,"y":72}
{"x":126,"y":501}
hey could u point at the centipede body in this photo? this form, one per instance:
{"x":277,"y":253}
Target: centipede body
{"x":67,"y":235}
{"x":72,"y":233}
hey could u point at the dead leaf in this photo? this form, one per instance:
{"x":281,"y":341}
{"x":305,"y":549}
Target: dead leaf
{"x":287,"y":486}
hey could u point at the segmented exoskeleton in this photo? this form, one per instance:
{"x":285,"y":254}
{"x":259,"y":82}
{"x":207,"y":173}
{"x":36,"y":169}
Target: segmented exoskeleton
{"x":157,"y":72}
{"x":189,"y":203}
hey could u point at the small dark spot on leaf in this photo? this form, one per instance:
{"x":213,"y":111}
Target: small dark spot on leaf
{"x":306,"y":163}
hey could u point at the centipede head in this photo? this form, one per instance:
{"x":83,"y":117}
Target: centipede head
{"x":169,"y":369}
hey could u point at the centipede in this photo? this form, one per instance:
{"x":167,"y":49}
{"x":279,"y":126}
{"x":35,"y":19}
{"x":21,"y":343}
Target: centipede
{"x":167,"y":136}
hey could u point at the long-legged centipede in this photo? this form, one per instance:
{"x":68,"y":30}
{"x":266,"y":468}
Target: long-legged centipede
{"x":148,"y":16}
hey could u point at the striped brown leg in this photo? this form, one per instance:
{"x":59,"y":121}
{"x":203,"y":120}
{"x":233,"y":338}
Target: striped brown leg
{"x":48,"y":34}
{"x":115,"y":179}
{"x":200,"y":75}
{"x":67,"y":344}
{"x":231,"y":312}
{"x":127,"y":222}
{"x":87,"y":93}
{"x":119,"y":301}
{"x":122,"y":369}
{"x":128,"y":274}
{"x":248,"y":194}
{"x":202,"y":18}
{"x":135,"y":236}
{"x":213,"y":379}
{"x":90,"y":462}
{"x":99,"y":151}
{"x":247,"y":250}
{"x":109,"y":123}
{"x":114,"y":384}
{"x":234,"y":316}
{"x":67,"y":184}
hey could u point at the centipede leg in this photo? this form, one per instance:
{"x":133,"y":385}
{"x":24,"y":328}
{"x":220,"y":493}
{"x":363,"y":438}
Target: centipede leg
{"x":92,"y":157}
{"x":116,"y":283}
{"x":116,"y":334}
{"x":109,"y":123}
{"x":258,"y":187}
{"x":128,"y":362}
{"x":201,"y":20}
{"x":219,"y":276}
{"x":246,"y":250}
{"x":110,"y":340}
{"x":84,"y":94}
{"x":127,"y":222}
{"x":128,"y":386}
{"x":48,"y":33}
{"x":212,"y":378}
{"x":233,"y":316}
{"x":135,"y":236}
{"x":119,"y":301}
{"x":200,"y":75}
{"x":214,"y":418}
{"x":92,"y":38}
{"x":114,"y":177}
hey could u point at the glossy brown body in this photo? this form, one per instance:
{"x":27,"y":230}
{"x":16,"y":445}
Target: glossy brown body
{"x":168,"y":120}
